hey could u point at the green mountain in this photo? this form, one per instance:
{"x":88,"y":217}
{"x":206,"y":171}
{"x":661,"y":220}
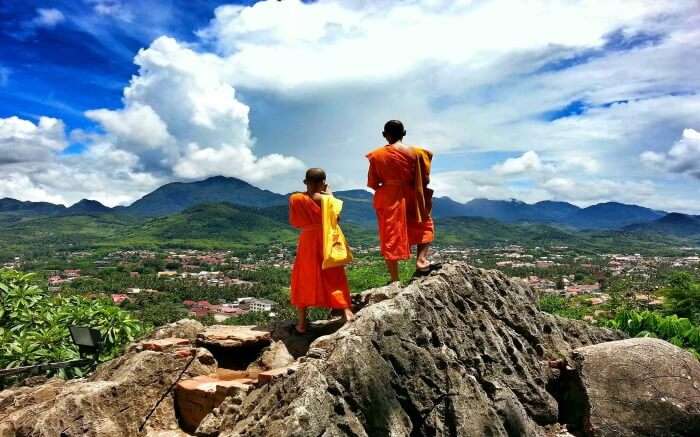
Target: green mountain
{"x":680,"y":225}
{"x":212,"y":225}
{"x":227,"y":226}
{"x":87,"y":207}
{"x":178,"y":196}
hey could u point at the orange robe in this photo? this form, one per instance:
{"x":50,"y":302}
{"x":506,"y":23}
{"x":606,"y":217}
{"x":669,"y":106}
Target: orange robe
{"x":311,"y":286}
{"x":402,"y":199}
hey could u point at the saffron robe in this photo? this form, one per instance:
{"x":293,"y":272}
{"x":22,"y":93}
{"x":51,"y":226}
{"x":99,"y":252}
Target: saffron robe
{"x":402,"y":199}
{"x":311,"y":286}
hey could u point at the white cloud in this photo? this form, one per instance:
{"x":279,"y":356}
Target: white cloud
{"x":181,"y":118}
{"x":683,"y":157}
{"x":294,"y":82}
{"x":527,"y":162}
{"x":137,"y":126}
{"x":48,"y":17}
{"x":22,"y":141}
{"x":20,"y":186}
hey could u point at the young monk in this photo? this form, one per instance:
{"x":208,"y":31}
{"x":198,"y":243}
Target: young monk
{"x":311,"y":285}
{"x":399,"y":175}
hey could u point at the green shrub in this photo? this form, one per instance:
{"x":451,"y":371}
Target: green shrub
{"x":554,"y":304}
{"x":34,"y":324}
{"x":677,"y":330}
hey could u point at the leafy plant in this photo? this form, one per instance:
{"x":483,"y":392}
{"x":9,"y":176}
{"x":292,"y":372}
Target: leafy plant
{"x":677,"y":330}
{"x":34,"y":324}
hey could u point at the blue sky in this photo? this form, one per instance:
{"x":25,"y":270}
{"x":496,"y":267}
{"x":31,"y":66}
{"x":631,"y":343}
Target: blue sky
{"x":107,"y":99}
{"x":85,"y":59}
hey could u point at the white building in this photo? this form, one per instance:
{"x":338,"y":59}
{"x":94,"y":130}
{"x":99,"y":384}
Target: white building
{"x":261,"y":305}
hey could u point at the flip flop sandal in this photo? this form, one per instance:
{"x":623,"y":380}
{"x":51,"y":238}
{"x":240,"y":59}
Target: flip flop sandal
{"x":426,"y":271}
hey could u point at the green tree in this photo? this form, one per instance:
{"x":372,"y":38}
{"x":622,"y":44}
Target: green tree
{"x":683,"y":296}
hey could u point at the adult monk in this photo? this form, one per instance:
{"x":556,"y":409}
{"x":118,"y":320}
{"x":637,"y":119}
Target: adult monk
{"x":311,"y":285}
{"x":399,"y":175}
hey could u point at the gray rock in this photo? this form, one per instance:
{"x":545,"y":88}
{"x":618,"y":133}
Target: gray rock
{"x":635,"y":387}
{"x":272,"y":357}
{"x":112,"y":402}
{"x":463,"y":352}
{"x":185,"y":328}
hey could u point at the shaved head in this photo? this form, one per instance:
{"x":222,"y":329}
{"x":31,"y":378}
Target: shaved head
{"x":394,"y":130}
{"x":315,"y":176}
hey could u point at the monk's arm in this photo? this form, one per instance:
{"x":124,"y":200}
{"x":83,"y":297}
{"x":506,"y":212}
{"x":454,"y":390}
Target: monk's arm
{"x":373,"y":180}
{"x":292,"y":215}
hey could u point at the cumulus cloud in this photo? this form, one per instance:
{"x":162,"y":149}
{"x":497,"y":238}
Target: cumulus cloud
{"x":181,"y":117}
{"x":527,"y":162}
{"x":23,"y":141}
{"x":683,"y":157}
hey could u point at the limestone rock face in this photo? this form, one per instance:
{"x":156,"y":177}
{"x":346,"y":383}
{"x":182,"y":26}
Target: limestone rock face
{"x":462,"y":352}
{"x":640,"y":386}
{"x":112,"y":402}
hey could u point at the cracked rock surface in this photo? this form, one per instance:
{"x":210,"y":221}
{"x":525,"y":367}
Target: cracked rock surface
{"x":636,"y":387}
{"x":463,"y":352}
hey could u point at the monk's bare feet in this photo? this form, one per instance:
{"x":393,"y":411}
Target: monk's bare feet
{"x":422,"y":264}
{"x":300,"y":328}
{"x":349,"y":316}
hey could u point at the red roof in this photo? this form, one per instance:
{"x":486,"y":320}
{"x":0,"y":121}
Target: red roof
{"x":119,"y":298}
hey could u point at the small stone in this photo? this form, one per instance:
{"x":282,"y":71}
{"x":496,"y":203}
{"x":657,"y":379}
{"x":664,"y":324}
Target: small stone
{"x":274,"y":374}
{"x":161,"y":345}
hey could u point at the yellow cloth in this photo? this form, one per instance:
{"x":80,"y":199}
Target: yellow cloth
{"x":424,"y":195}
{"x":336,"y":251}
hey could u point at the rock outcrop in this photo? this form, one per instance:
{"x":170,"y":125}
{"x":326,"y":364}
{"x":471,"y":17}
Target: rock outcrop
{"x":112,"y":402}
{"x":463,"y":352}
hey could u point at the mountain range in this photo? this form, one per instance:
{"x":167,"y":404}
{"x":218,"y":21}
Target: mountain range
{"x":177,"y":197}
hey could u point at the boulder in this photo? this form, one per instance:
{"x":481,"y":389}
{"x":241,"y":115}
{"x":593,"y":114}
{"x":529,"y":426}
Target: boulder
{"x":112,"y":402}
{"x":234,"y":347}
{"x":195,"y":398}
{"x":462,"y":352}
{"x":226,"y":336}
{"x":185,"y":328}
{"x":272,"y":357}
{"x":634,"y":387}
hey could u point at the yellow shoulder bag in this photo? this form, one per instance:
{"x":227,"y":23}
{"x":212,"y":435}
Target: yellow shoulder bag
{"x":336,"y":251}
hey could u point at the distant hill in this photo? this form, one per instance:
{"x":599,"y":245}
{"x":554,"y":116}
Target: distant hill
{"x":611,"y":215}
{"x":221,"y":224}
{"x":677,"y":224}
{"x":88,"y":207}
{"x":178,"y":196}
{"x":18,"y":206}
{"x":224,"y":225}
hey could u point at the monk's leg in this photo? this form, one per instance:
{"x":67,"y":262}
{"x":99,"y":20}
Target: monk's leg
{"x":301,"y":320}
{"x":393,"y":266}
{"x":422,"y":261}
